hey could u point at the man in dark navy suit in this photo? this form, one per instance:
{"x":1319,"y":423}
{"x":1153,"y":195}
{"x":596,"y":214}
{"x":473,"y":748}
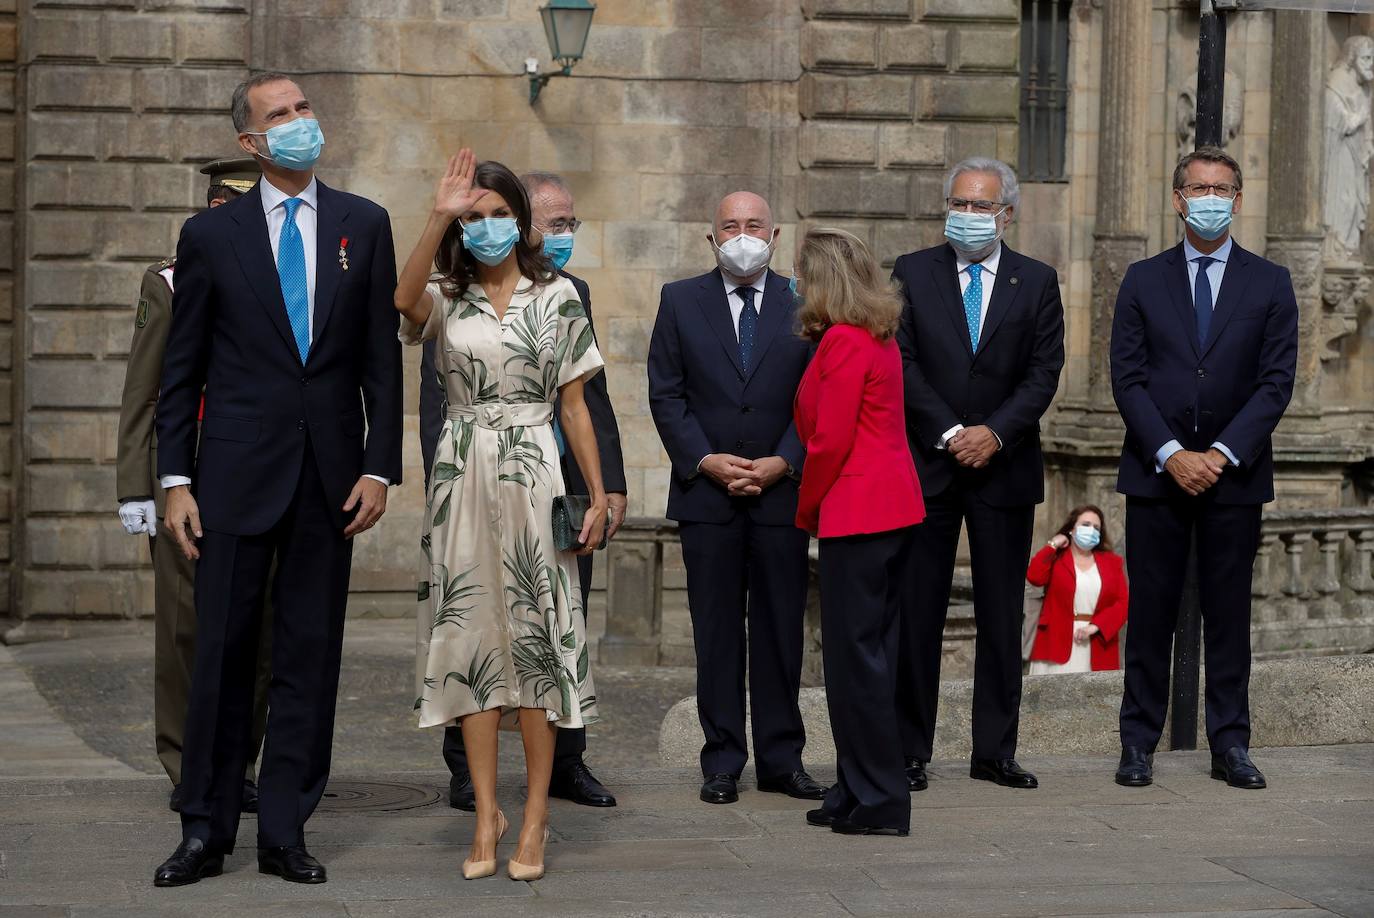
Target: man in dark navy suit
{"x":982,"y":339}
{"x":1204,"y":352}
{"x":724,"y":364}
{"x":283,"y":316}
{"x":551,"y":203}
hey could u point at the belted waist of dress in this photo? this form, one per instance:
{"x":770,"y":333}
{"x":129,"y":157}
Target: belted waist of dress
{"x":503,"y":415}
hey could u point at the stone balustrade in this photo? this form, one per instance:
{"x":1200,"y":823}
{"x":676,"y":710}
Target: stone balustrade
{"x":1313,"y":594}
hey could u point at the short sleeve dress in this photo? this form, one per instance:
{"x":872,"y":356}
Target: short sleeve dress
{"x":500,"y":622}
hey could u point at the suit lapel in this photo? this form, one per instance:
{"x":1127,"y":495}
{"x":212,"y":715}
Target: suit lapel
{"x":1005,"y":286}
{"x":329,"y":234}
{"x":253,"y":250}
{"x":945,"y":274}
{"x":1233,"y":283}
{"x":1176,"y":279}
{"x":717,"y":313}
{"x":777,"y":308}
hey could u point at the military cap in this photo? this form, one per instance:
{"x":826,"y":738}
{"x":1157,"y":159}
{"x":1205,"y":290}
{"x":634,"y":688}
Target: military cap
{"x":240,"y":173}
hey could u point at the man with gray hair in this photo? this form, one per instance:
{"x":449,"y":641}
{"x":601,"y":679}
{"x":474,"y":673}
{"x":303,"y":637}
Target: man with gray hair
{"x":982,"y":340}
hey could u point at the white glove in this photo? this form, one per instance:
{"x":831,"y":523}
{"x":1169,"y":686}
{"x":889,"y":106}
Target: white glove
{"x":139,"y":516}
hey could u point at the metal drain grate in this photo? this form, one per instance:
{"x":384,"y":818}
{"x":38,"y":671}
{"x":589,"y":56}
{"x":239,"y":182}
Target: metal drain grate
{"x":364,"y":797}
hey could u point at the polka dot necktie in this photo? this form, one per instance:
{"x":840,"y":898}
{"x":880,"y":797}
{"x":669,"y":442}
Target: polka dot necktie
{"x":748,"y":323}
{"x":973,"y":303}
{"x":291,"y":272}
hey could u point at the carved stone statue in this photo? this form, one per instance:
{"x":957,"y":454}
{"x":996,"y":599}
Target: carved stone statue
{"x":1233,"y":110}
{"x":1349,"y":144}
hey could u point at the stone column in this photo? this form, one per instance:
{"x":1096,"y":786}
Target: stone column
{"x":634,"y":594}
{"x":1295,"y":177}
{"x":1122,"y":183}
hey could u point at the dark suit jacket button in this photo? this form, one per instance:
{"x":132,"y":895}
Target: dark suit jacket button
{"x":739,"y":443}
{"x":305,"y":380}
{"x":300,"y":425}
{"x":972,"y":374}
{"x":745,"y":410}
{"x":1201,"y":373}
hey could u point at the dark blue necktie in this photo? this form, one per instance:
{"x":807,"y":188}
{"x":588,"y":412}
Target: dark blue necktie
{"x":748,"y":322}
{"x":1202,"y":298}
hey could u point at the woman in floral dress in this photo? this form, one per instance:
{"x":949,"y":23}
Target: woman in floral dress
{"x":501,"y":630}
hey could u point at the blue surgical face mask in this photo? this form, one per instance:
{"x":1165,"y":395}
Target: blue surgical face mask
{"x":797,"y":298}
{"x":1209,"y":216}
{"x":295,"y":144}
{"x":491,"y":240}
{"x":972,"y":235}
{"x":558,"y":248}
{"x":1086,"y":537}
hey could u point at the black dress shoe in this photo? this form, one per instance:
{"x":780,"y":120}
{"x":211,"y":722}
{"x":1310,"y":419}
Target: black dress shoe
{"x":174,"y":799}
{"x":846,"y":827}
{"x":820,"y":817}
{"x":190,"y":863}
{"x":916,"y":779}
{"x":291,"y":862}
{"x":461,"y":796}
{"x":1002,"y":771}
{"x":577,"y":783}
{"x":1136,"y":768}
{"x":250,"y":797}
{"x":798,"y":784}
{"x":1235,"y":768}
{"x":719,"y":789}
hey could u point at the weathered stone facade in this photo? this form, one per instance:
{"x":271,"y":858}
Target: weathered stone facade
{"x":839,"y":111}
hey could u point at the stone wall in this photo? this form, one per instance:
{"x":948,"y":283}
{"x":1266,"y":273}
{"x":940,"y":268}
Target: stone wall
{"x":677,"y":103}
{"x":119,"y":103}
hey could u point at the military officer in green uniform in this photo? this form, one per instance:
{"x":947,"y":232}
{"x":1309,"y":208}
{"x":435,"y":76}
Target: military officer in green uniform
{"x":141,"y":509}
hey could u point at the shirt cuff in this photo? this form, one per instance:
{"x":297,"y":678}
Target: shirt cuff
{"x":173,"y":481}
{"x":1230,"y":456}
{"x":1165,"y":451}
{"x":698,"y":471}
{"x":944,"y":440}
{"x":385,"y":481}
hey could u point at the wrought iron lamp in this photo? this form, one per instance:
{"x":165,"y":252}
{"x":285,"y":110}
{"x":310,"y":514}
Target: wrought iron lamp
{"x":566,"y":24}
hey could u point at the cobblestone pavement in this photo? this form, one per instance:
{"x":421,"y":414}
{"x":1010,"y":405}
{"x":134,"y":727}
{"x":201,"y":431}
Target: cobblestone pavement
{"x":81,"y":833}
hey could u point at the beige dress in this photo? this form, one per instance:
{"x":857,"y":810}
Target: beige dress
{"x":500,"y":621}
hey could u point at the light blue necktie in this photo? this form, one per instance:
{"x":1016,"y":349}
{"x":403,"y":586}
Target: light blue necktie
{"x":973,"y":303}
{"x":291,"y":272}
{"x":748,"y":322}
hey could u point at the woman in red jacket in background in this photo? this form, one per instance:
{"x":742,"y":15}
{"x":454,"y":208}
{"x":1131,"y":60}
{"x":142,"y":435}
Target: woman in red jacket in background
{"x":860,"y":496}
{"x":1085,"y":598}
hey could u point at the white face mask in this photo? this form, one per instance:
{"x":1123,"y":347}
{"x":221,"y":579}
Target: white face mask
{"x":743,"y":256}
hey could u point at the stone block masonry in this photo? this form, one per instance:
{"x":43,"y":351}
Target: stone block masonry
{"x":890,"y":92}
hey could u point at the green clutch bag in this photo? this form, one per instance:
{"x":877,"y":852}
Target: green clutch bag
{"x":568,"y":513}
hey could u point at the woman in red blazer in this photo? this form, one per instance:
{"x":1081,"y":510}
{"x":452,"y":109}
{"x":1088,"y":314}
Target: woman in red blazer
{"x":1085,"y":598}
{"x":860,"y":495}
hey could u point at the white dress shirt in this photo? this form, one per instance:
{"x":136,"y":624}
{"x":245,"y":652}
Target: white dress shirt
{"x":737,"y":303}
{"x":1215,"y":272}
{"x":307,"y":222}
{"x":987,"y":277}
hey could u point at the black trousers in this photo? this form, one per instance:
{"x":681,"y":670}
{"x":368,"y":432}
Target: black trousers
{"x":309,"y":596}
{"x":999,"y":546}
{"x":1158,"y":536}
{"x":865,"y":595}
{"x":744,"y":573}
{"x":569,"y":745}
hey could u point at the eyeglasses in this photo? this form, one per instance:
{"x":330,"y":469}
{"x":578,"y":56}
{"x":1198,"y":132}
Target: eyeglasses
{"x":977,"y":207}
{"x":1221,"y":190}
{"x":560,"y":227}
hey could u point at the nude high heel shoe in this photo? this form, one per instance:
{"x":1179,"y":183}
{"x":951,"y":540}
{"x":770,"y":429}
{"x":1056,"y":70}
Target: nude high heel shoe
{"x":476,"y":870}
{"x":528,"y":872}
